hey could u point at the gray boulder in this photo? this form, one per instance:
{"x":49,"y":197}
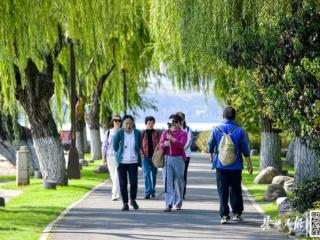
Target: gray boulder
{"x":274,"y":191}
{"x":266,"y":175}
{"x":283,"y":204}
{"x":281,"y":179}
{"x":289,"y":185}
{"x":290,"y":154}
{"x":101,"y":169}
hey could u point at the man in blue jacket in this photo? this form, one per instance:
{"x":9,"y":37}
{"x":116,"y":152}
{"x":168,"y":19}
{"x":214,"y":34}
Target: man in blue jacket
{"x":229,"y":177}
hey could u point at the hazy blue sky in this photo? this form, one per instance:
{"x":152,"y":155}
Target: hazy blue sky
{"x":197,"y":107}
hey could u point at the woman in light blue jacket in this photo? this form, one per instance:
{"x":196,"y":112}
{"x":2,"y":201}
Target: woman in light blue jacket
{"x":127,"y":146}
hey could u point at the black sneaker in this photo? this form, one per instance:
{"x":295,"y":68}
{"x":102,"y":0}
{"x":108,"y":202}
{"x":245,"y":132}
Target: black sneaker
{"x":153,"y":195}
{"x":168,"y":209}
{"x":134,"y":205}
{"x":147,"y":197}
{"x":125,"y":207}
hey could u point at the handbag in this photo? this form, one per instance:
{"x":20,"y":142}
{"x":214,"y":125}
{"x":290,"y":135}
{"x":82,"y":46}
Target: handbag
{"x":158,"y":157}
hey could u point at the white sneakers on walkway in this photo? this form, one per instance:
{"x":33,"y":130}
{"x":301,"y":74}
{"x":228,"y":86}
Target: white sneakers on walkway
{"x":225,"y":219}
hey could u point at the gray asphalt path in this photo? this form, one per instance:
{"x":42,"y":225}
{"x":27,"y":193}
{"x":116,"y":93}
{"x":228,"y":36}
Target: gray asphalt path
{"x":97,"y":217}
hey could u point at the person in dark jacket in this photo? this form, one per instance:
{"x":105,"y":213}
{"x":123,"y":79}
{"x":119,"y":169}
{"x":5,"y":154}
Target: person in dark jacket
{"x":150,"y":139}
{"x":229,"y":177}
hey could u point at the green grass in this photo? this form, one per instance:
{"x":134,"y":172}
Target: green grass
{"x":27,"y":215}
{"x":257,"y":190}
{"x":8,"y":178}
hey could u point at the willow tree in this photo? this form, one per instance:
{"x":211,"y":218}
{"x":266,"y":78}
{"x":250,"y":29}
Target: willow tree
{"x":196,"y":50}
{"x":29,"y":52}
{"x":115,"y":36}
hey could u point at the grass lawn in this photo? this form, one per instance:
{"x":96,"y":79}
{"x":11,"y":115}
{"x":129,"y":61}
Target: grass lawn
{"x":258,"y":190}
{"x":26,"y":216}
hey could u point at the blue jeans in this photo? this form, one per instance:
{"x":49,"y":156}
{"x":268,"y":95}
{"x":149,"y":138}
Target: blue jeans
{"x":173,"y":173}
{"x":150,"y":176}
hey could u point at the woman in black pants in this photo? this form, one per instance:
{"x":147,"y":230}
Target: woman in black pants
{"x":127,"y":146}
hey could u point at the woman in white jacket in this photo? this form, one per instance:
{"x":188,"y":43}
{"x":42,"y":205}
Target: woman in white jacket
{"x":187,"y":149}
{"x":108,"y":155}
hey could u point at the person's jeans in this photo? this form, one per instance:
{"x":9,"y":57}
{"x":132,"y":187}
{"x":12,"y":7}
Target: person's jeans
{"x":150,"y":176}
{"x":123,"y":171}
{"x":173,"y":178}
{"x":229,"y":181}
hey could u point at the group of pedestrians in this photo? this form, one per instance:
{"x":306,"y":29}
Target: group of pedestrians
{"x":125,"y":149}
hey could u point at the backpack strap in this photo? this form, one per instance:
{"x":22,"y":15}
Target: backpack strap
{"x":220,"y":130}
{"x":233,"y":130}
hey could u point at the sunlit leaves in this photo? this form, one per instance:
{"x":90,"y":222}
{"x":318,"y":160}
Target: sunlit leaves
{"x":108,"y":31}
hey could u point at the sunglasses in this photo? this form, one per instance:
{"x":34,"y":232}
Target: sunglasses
{"x":117,"y":120}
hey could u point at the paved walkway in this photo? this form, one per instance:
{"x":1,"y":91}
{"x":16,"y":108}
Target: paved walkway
{"x":97,"y":217}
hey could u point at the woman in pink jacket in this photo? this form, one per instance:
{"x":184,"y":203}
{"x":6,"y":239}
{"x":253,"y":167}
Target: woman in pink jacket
{"x":173,"y":142}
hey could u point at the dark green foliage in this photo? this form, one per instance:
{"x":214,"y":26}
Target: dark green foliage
{"x":306,"y":195}
{"x":286,"y":58}
{"x":254,"y":140}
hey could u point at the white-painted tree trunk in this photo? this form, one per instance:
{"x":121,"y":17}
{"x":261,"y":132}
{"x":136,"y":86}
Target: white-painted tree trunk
{"x":95,"y":144}
{"x":80,"y":144}
{"x":270,"y":153}
{"x":305,"y":162}
{"x":86,"y":142}
{"x":290,"y":154}
{"x":51,"y":159}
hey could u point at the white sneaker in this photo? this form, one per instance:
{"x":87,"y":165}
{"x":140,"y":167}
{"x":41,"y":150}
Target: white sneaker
{"x":225,"y":219}
{"x":237,"y":218}
{"x":114,"y":199}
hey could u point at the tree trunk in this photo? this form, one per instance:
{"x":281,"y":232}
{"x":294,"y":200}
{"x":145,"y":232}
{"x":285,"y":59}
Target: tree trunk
{"x":80,"y":143}
{"x":73,"y":156}
{"x":34,"y":98}
{"x":86,"y":142}
{"x":95,"y":144}
{"x":93,"y":116}
{"x":305,"y":161}
{"x":125,"y":92}
{"x":9,"y":144}
{"x":270,"y":153}
{"x":81,"y":127}
{"x":8,"y":150}
{"x":51,"y":158}
{"x":290,"y":154}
